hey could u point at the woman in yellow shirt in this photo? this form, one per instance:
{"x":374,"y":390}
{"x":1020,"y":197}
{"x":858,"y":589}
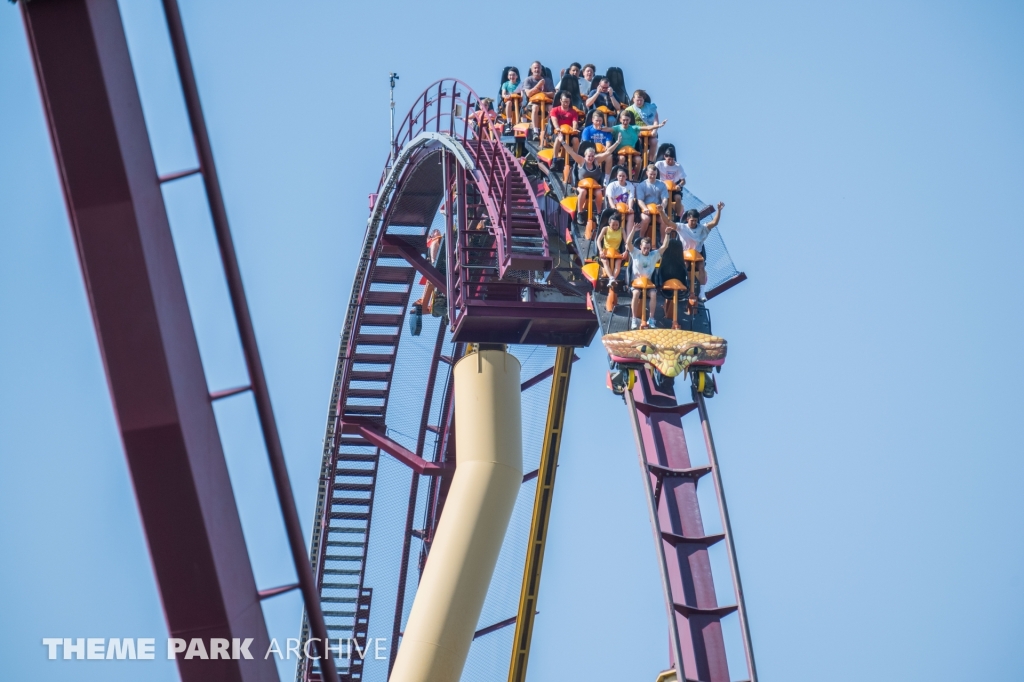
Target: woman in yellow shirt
{"x":609,"y":240}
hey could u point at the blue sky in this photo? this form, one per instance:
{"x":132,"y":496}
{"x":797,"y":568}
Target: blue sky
{"x":870,"y":156}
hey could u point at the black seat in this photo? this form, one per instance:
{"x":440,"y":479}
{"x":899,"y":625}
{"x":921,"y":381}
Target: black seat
{"x":618,"y":82}
{"x":571,"y":84}
{"x":663,"y":148}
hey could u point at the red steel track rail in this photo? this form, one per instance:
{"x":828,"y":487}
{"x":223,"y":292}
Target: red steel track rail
{"x":495,"y":235}
{"x":698,"y":650}
{"x":150,"y":352}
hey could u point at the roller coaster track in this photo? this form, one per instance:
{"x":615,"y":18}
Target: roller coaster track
{"x":670,"y":478}
{"x":511,"y":271}
{"x":497,"y":243}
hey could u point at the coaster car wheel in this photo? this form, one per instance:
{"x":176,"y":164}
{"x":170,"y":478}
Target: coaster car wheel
{"x":621,"y":379}
{"x":705,"y":384}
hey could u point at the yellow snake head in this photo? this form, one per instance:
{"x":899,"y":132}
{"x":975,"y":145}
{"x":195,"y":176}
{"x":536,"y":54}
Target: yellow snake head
{"x":670,"y":351}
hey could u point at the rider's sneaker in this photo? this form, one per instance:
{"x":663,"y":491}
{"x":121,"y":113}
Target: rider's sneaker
{"x":651,"y":323}
{"x":636,"y":323}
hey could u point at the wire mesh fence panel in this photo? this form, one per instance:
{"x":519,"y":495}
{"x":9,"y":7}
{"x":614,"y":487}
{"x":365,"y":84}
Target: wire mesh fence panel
{"x":490,"y":653}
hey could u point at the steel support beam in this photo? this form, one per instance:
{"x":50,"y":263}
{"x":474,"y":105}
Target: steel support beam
{"x":530,"y":590}
{"x":696,"y":642}
{"x":726,"y":285}
{"x":741,"y":605}
{"x":403,"y":455}
{"x":541,"y":376}
{"x":412,"y":257}
{"x":247,"y":336}
{"x":146,"y":339}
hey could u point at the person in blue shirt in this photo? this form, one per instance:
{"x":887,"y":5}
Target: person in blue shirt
{"x":603,"y":95}
{"x":597,"y":133}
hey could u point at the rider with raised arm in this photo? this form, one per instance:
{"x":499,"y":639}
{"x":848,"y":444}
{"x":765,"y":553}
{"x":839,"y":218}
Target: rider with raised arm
{"x":628,"y":132}
{"x":589,"y":165}
{"x":693,"y":235}
{"x":644,"y":260}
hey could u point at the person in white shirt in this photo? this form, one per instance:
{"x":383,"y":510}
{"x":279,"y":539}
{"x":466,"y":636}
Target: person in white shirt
{"x":621,"y":191}
{"x":587,"y":78}
{"x":643,"y":261}
{"x":670,"y":171}
{"x":693,"y":234}
{"x":651,"y":191}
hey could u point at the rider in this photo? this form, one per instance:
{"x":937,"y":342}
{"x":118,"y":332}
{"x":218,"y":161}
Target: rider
{"x":587,"y":77}
{"x":673,"y":266}
{"x":644,"y":261}
{"x":628,"y":132}
{"x":610,"y":239}
{"x":693,"y":235}
{"x":645,"y":112}
{"x":651,"y":191}
{"x":603,"y":96}
{"x":597,"y":133}
{"x":669,"y":170}
{"x":561,"y":115}
{"x":536,"y":83}
{"x":509,"y":85}
{"x":589,"y":165}
{"x":622,"y":191}
{"x":485,"y":114}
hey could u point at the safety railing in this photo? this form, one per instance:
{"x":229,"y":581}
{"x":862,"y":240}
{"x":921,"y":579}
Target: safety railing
{"x":446,"y":106}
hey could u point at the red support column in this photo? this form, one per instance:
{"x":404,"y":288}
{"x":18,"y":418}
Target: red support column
{"x":145,"y":332}
{"x":695,"y":631}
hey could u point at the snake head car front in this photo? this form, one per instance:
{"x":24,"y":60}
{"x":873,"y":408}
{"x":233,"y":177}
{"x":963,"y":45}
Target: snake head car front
{"x":670,"y":351}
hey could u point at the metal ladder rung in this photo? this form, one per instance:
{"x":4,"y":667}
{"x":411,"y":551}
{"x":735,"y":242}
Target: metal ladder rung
{"x":717,"y":612}
{"x":706,"y":540}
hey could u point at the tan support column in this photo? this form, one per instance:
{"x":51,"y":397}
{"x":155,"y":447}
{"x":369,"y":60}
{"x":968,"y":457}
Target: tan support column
{"x":489,"y":472}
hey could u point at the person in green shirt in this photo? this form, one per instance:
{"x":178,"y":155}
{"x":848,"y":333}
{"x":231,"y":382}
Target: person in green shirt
{"x":628,"y":133}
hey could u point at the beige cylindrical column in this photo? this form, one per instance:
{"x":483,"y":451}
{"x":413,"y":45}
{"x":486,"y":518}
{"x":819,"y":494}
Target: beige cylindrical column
{"x":489,"y":472}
